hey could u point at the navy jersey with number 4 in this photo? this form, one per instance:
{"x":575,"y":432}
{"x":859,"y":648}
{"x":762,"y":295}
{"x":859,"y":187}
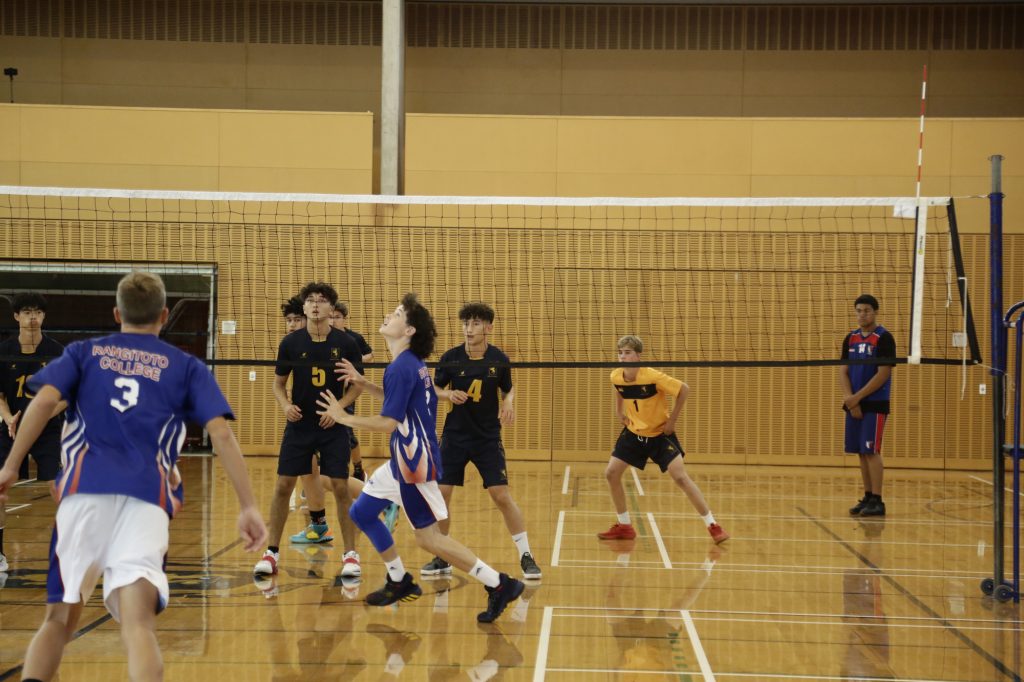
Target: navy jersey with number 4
{"x":309,"y":381}
{"x":481,"y":379}
{"x":129,"y":396}
{"x":876,"y":344}
{"x":15,"y":375}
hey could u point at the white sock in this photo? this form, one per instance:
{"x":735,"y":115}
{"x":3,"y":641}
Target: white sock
{"x":708,"y":565}
{"x":519,"y":610}
{"x":624,"y":518}
{"x":484,"y":671}
{"x":485,"y":574}
{"x":396,"y":569}
{"x":441,"y":602}
{"x":522,"y":544}
{"x":709,"y":518}
{"x":394,"y":664}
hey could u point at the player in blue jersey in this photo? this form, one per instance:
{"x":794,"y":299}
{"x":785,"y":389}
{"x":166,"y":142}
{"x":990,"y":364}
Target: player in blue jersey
{"x":475,"y":377}
{"x":866,"y":390}
{"x":128,"y":395}
{"x":409,"y":415}
{"x":33,"y":349}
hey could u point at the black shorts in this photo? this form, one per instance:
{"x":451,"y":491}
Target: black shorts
{"x":487,"y":456}
{"x":302,"y":441}
{"x":46,"y":452}
{"x":636,"y":450}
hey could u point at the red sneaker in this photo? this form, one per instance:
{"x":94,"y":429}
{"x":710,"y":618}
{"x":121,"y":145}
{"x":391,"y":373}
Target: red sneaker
{"x":619,"y":531}
{"x":718,"y":533}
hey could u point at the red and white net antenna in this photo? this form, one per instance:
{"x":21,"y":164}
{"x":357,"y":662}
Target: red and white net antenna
{"x":920,"y":139}
{"x":920,"y":235}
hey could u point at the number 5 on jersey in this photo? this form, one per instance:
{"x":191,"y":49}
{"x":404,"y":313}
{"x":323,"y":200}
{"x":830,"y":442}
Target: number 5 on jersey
{"x":319,"y":377}
{"x":130,"y":396}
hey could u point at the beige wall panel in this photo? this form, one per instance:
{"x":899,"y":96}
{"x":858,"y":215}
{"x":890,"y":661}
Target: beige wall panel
{"x":481,"y":183}
{"x":10,"y":140}
{"x":839,"y":185}
{"x":295,"y":140}
{"x":153,"y":96}
{"x":506,"y":144}
{"x":10,"y":173}
{"x":512,"y":73}
{"x":654,"y":104}
{"x":39,"y":68}
{"x":119,"y":176}
{"x":199,"y":65}
{"x":858,"y":147}
{"x":975,"y":140}
{"x":310,"y":100}
{"x":312,"y":67}
{"x":297,"y":180}
{"x":101,"y":135}
{"x":659,"y":146}
{"x":482,"y":103}
{"x":650,"y":185}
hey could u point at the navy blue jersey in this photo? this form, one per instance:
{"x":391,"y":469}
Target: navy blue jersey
{"x":364,"y":347}
{"x":16,"y":374}
{"x":483,"y":380}
{"x":129,"y":396}
{"x":876,"y":344}
{"x":409,"y":399}
{"x":309,"y":380}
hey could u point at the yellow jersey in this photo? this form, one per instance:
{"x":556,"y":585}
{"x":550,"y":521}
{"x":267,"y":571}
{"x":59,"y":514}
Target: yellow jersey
{"x":643,"y":399}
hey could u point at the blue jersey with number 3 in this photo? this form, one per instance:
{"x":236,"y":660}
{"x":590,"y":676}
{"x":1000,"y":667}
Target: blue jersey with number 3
{"x":129,"y":396}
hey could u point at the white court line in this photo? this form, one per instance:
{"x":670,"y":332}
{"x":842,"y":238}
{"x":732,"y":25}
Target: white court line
{"x":1009,"y":490}
{"x":20,"y":506}
{"x":558,"y":538}
{"x":701,"y":536}
{"x":800,"y":517}
{"x":636,"y":480}
{"x":633,"y":610}
{"x":565,"y":481}
{"x":539,"y":666}
{"x":893,"y":573}
{"x":698,"y":648}
{"x":657,"y":539}
{"x":780,"y":676}
{"x":25,"y":482}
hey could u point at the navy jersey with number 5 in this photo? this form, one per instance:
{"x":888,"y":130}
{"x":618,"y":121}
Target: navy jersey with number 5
{"x":410,"y":399}
{"x":129,"y":396}
{"x":876,"y":344}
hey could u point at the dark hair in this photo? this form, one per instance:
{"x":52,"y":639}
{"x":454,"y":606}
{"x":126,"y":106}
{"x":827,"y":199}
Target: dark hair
{"x":293,"y":306}
{"x":28,"y":299}
{"x":868,"y":299}
{"x":477,"y":311}
{"x":422,"y":342}
{"x":322,"y":288}
{"x":342,"y":308}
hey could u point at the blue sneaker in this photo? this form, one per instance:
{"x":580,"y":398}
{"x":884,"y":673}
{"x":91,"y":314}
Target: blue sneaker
{"x":391,"y":517}
{"x":313,"y":533}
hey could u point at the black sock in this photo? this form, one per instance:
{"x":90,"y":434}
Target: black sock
{"x":1,"y":540}
{"x":318,"y":517}
{"x":273,"y":548}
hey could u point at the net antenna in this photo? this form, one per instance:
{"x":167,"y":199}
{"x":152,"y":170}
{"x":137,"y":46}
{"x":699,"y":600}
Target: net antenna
{"x":916,"y":305}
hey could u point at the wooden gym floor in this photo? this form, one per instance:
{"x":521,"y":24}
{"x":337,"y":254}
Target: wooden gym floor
{"x":802,"y":591}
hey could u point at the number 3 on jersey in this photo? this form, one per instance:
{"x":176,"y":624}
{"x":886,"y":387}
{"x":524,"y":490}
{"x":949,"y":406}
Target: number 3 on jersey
{"x":475,"y":390}
{"x":130,"y":396}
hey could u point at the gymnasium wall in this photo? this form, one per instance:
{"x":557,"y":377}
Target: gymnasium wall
{"x":786,"y":416}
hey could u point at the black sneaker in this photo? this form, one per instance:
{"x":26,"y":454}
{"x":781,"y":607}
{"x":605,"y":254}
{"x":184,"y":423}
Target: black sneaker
{"x":403,"y":590}
{"x":874,"y":507}
{"x":507,"y":591}
{"x":436,"y":567}
{"x":856,"y":509}
{"x":531,"y":571}
{"x":357,"y":472}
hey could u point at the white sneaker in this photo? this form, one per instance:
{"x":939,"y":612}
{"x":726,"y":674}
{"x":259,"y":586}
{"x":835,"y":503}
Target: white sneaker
{"x":3,"y":563}
{"x":268,"y":564}
{"x":350,"y":565}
